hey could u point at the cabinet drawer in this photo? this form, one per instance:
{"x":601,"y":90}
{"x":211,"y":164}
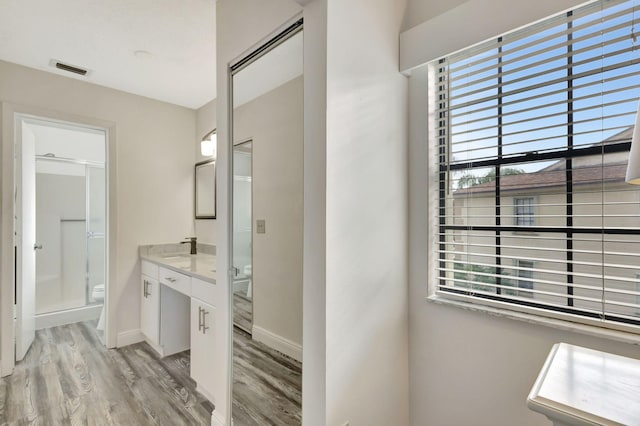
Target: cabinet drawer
{"x":149,"y":269}
{"x":175,"y":280}
{"x":203,"y":290}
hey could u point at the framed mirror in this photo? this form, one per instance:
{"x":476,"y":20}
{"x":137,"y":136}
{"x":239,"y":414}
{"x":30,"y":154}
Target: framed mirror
{"x":205,"y":190}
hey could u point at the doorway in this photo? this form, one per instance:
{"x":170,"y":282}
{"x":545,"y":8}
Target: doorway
{"x":60,"y":226}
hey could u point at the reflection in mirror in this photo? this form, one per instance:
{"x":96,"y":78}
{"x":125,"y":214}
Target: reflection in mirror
{"x":242,"y":242}
{"x":267,"y":165}
{"x":205,"y":187}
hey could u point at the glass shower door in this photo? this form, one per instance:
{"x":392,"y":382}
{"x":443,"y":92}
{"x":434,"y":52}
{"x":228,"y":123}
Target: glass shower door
{"x":96,"y":226}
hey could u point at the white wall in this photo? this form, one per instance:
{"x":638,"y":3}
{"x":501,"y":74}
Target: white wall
{"x":419,"y":11}
{"x":154,"y":166}
{"x":472,"y":22}
{"x":355,"y":344}
{"x":205,"y":122}
{"x":366,"y":205}
{"x":240,"y":25}
{"x":274,"y":122}
{"x":469,"y":367}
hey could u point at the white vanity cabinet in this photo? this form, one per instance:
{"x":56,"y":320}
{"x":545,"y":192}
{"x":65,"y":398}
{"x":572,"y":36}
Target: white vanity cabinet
{"x":203,"y":345}
{"x":150,"y":310}
{"x":178,"y":312}
{"x":150,"y":304}
{"x":166,"y":333}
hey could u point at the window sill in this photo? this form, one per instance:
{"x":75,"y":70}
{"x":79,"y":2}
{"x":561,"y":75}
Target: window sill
{"x":565,"y":325}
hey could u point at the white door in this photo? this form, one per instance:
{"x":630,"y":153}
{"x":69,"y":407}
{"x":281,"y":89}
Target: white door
{"x":26,"y":241}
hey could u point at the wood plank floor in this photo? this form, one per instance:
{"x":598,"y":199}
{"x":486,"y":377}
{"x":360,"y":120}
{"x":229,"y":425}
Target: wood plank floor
{"x":267,"y":386}
{"x":242,"y":312}
{"x":68,"y":377}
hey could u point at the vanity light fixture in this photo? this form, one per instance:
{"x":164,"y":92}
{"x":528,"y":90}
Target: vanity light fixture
{"x":208,"y":144}
{"x":633,"y":166}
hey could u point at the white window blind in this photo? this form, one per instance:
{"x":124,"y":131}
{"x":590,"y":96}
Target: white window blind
{"x":540,"y":121}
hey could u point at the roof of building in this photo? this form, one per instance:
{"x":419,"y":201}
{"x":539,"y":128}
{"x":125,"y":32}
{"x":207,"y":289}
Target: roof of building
{"x":556,"y":174}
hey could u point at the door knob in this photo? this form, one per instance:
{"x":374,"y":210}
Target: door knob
{"x":37,"y":246}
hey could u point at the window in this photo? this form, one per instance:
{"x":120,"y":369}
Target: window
{"x":541,"y":117}
{"x":525,"y":277}
{"x":523,"y":211}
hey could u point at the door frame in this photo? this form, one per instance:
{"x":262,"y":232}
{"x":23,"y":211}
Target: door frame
{"x":12,"y":114}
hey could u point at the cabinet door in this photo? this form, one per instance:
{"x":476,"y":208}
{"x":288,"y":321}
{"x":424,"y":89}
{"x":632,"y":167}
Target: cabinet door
{"x":150,"y":308}
{"x":203,"y":346}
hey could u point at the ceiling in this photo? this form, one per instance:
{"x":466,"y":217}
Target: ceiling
{"x":161,"y":49}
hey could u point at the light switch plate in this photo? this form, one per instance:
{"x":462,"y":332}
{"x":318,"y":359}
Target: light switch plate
{"x":261,"y":227}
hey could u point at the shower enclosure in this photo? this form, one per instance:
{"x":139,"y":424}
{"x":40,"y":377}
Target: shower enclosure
{"x":70,"y":235}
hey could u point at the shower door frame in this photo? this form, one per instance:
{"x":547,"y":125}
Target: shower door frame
{"x":87,"y":178}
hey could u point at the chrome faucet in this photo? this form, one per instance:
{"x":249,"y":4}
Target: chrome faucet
{"x":194,"y":245}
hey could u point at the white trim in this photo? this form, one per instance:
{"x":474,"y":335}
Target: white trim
{"x":216,"y":419}
{"x":463,"y":26}
{"x":565,"y":325}
{"x":279,"y":343}
{"x":205,"y":393}
{"x":55,"y":319}
{"x":129,"y":337}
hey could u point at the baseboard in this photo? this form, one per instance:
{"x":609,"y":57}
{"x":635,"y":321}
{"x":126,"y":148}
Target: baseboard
{"x":70,"y":316}
{"x":206,"y":394}
{"x":276,"y":342}
{"x":129,"y":337}
{"x":216,"y":419}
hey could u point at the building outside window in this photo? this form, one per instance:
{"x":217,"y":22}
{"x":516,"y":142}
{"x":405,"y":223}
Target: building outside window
{"x":541,"y":119}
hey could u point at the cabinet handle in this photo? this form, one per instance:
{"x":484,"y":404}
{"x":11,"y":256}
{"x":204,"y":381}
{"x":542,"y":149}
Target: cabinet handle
{"x":204,"y":327}
{"x":148,"y":290}
{"x":171,"y":280}
{"x":200,"y":318}
{"x":144,"y":291}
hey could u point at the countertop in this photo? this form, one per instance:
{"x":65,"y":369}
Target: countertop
{"x":176,"y":257}
{"x":580,"y":386}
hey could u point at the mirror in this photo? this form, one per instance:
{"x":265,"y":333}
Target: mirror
{"x":267,"y":226}
{"x":205,"y":187}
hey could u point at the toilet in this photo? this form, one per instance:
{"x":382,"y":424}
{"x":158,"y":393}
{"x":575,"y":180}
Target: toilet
{"x":247,"y":270}
{"x":97,"y":294}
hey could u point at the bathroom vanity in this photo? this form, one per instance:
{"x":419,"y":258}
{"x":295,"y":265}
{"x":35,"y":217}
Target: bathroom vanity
{"x":177,"y":310}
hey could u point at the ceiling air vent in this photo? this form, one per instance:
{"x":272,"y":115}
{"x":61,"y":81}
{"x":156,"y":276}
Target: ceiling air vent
{"x":69,"y":68}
